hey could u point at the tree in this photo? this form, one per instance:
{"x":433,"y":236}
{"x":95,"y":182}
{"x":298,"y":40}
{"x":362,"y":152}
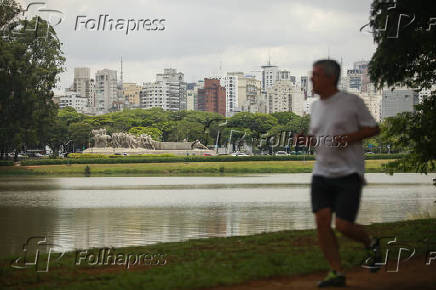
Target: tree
{"x":258,"y":123}
{"x":155,"y":133}
{"x":30,"y":62}
{"x":406,"y":55}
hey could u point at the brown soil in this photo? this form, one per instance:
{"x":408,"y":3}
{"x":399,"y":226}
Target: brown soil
{"x":413,"y":274}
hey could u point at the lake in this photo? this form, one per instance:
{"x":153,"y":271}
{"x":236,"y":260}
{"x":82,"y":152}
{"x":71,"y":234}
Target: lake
{"x":79,"y":213}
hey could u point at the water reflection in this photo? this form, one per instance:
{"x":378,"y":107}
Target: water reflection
{"x":97,"y":212}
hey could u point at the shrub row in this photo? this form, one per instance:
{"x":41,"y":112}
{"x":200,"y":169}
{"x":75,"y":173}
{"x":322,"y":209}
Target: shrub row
{"x":95,"y":155}
{"x":6,"y":163}
{"x":160,"y":159}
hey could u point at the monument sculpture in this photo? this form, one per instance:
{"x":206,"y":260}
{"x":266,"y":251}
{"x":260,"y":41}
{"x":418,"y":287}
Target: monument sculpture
{"x":101,"y":140}
{"x":125,"y":143}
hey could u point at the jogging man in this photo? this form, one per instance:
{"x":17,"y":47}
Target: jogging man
{"x":339,"y":122}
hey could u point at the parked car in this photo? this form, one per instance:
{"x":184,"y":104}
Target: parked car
{"x":207,"y":154}
{"x":281,"y":153}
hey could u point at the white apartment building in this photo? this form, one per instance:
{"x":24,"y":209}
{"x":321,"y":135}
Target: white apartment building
{"x":398,"y":101}
{"x":269,"y":76}
{"x":308,"y":104}
{"x":167,"y":92}
{"x":106,"y":90}
{"x":284,"y":96}
{"x":272,"y":74}
{"x":73,"y":100}
{"x":154,"y":94}
{"x":230,"y":83}
{"x":249,"y":94}
{"x":190,"y":100}
{"x":373,"y":102}
{"x":91,"y":97}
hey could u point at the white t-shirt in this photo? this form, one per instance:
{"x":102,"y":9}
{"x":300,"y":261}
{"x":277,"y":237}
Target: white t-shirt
{"x":340,"y":114}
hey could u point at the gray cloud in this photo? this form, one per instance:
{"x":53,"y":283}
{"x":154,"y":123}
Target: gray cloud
{"x":202,"y":34}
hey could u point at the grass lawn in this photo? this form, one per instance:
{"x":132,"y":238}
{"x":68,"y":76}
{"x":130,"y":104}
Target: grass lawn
{"x":215,"y":261}
{"x":193,"y":168}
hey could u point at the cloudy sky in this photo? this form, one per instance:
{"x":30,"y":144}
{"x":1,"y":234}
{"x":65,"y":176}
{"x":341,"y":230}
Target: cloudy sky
{"x":203,"y":37}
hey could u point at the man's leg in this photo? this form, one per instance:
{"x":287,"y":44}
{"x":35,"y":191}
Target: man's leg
{"x":353,"y":231}
{"x":327,"y":238}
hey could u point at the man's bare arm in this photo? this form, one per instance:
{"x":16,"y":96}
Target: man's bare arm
{"x":363,"y":133}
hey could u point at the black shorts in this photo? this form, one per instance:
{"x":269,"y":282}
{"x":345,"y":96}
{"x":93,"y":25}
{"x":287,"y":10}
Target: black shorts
{"x":340,"y":194}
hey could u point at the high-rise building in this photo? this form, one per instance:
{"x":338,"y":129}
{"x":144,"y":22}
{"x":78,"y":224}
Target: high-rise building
{"x":308,"y":104}
{"x":154,"y":94}
{"x":106,"y":90}
{"x":82,"y":77}
{"x":304,"y":85}
{"x":249,"y":94}
{"x":284,"y":96}
{"x":91,"y":98}
{"x":198,"y":85}
{"x":373,"y":103}
{"x":131,"y":92}
{"x":167,"y":92}
{"x":354,"y":80}
{"x":212,"y":98}
{"x":398,"y":101}
{"x":176,"y":89}
{"x":269,"y":75}
{"x":190,"y":97}
{"x":230,"y":83}
{"x":357,"y":79}
{"x":74,"y":100}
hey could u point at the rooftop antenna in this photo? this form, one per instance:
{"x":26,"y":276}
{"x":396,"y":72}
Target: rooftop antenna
{"x":328,"y":52}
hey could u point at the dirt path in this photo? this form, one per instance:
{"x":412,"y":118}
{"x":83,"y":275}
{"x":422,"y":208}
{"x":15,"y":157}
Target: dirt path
{"x":413,"y":274}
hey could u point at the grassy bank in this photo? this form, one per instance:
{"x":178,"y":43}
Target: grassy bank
{"x":216,"y":261}
{"x":187,"y":168}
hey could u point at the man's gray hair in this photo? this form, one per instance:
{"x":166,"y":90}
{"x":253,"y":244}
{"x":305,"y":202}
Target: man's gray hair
{"x":330,"y":68}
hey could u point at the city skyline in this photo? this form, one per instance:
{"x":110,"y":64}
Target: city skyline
{"x":203,"y":38}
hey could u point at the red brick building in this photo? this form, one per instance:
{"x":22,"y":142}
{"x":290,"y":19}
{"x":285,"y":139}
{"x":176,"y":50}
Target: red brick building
{"x":212,"y":98}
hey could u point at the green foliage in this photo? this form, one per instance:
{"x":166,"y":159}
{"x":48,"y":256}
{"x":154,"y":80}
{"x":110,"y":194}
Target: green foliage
{"x":95,"y":155}
{"x":155,"y":133}
{"x":30,"y":63}
{"x":258,"y":123}
{"x":175,"y":159}
{"x":407,"y":57}
{"x":218,"y":261}
{"x":6,"y":163}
